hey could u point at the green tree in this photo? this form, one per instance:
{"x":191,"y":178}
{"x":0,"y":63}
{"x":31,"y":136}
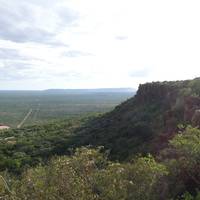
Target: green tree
{"x":183,"y":160}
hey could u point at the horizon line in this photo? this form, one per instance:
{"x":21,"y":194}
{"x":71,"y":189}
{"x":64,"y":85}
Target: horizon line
{"x":111,"y":88}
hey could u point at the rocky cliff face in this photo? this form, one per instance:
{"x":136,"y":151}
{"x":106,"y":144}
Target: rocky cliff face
{"x":191,"y":110}
{"x":168,"y":94}
{"x":160,"y":92}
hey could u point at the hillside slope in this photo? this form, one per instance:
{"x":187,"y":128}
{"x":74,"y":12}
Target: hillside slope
{"x":147,"y":121}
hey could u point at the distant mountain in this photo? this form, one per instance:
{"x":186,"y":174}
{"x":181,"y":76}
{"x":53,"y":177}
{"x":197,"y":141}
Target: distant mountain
{"x":84,"y":91}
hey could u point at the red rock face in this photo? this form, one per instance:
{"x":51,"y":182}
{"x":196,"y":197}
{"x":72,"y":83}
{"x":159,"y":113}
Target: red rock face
{"x":154,"y":92}
{"x":196,"y":118}
{"x":191,"y":106}
{"x":189,"y":113}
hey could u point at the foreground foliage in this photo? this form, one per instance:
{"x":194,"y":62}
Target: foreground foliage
{"x":183,"y":160}
{"x":89,"y":175}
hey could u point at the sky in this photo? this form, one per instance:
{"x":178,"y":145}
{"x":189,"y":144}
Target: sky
{"x":97,"y":43}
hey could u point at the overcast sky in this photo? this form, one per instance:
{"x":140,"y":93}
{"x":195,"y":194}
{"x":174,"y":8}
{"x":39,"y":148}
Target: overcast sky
{"x":97,"y":43}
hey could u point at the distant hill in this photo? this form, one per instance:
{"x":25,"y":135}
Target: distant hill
{"x":89,"y":91}
{"x":70,"y":91}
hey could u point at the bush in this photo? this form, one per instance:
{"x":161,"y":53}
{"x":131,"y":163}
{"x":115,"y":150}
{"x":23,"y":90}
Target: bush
{"x":88,"y":175}
{"x":183,"y":161}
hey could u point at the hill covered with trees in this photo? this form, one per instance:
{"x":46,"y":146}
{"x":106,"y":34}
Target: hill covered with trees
{"x":146,"y":148}
{"x":146,"y":122}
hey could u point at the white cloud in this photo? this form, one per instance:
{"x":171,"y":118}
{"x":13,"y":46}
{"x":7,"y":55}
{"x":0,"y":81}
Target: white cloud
{"x":93,"y":43}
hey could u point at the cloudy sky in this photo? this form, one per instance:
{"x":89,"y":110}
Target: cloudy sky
{"x":97,"y":43}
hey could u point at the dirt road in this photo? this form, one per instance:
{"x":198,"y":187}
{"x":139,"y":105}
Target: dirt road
{"x":25,"y":118}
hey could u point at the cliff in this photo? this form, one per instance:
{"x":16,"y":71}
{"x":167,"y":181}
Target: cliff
{"x":146,"y":122}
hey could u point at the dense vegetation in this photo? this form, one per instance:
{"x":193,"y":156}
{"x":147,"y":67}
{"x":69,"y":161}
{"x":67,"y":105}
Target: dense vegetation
{"x":89,"y":175}
{"x":29,"y":146}
{"x":146,"y":148}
